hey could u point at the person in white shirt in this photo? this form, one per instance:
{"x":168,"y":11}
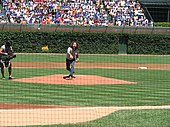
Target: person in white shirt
{"x":6,"y":50}
{"x":71,"y":58}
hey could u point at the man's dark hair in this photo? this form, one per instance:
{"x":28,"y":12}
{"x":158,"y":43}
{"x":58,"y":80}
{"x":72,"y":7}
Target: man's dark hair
{"x":8,"y":43}
{"x":71,"y":45}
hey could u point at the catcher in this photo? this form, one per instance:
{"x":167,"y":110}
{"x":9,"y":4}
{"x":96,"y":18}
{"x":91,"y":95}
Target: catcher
{"x":71,"y":58}
{"x":6,"y":54}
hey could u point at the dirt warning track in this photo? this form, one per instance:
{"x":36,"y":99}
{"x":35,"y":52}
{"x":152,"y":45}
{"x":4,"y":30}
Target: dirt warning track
{"x":91,"y":65}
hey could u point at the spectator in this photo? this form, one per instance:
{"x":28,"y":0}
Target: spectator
{"x":75,"y":12}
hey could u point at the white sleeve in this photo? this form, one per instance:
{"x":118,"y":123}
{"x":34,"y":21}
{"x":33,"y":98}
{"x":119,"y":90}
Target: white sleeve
{"x":69,"y":50}
{"x":3,"y":47}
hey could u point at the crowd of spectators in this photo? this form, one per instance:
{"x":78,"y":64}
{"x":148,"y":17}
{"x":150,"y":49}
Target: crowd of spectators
{"x":74,"y":12}
{"x":126,"y":12}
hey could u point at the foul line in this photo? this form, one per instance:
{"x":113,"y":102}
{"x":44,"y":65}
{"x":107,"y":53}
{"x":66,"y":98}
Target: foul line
{"x":86,"y":108}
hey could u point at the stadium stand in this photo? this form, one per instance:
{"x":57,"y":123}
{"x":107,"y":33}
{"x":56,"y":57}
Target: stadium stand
{"x":74,"y":12}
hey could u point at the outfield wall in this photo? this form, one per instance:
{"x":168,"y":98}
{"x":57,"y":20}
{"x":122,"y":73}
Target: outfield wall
{"x":99,"y":42}
{"x":77,"y":28}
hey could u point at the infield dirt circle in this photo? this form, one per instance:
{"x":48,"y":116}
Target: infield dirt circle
{"x":79,"y":80}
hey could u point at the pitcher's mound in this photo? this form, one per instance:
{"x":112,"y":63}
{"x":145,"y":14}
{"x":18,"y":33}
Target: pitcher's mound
{"x":79,"y":80}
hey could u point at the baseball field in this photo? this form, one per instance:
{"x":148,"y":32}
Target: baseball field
{"x":108,"y":91}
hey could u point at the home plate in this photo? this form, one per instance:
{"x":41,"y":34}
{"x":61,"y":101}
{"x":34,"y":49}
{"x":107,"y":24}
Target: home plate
{"x":79,"y":80}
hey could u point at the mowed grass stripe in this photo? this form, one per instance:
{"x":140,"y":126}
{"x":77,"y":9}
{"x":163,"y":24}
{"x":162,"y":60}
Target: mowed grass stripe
{"x":132,"y":118}
{"x":94,"y":58}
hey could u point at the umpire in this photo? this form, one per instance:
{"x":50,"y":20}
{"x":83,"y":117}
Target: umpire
{"x":6,"y":53}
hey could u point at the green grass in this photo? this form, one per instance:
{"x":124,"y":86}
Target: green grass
{"x":134,"y":118}
{"x":152,"y":88}
{"x":94,"y":58}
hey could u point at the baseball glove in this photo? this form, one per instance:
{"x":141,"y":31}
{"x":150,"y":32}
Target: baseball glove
{"x":8,"y":57}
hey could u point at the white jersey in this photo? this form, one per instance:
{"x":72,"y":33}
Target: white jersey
{"x":5,"y":50}
{"x":73,"y":52}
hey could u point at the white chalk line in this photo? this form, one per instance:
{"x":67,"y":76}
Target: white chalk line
{"x":90,"y":108}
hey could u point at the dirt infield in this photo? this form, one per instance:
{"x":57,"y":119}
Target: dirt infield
{"x":21,"y":115}
{"x":79,"y":80}
{"x":90,"y":65}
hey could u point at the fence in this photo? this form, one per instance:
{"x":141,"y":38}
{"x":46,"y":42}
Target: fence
{"x":75,"y":28}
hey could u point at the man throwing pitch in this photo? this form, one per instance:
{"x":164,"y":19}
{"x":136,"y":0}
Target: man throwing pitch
{"x":71,"y":58}
{"x":6,"y":53}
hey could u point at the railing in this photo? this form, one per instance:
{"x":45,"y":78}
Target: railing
{"x":76,"y":28}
